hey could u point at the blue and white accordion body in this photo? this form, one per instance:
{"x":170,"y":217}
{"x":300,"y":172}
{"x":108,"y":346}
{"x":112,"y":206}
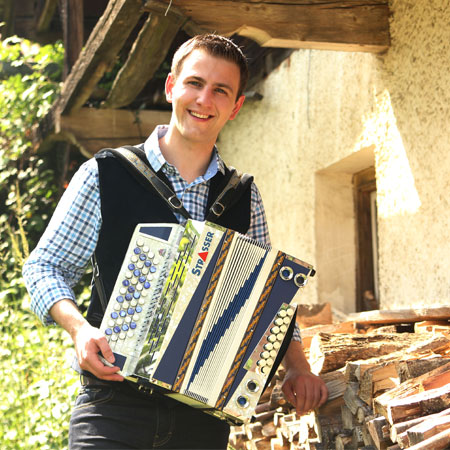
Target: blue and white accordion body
{"x":201,"y":313}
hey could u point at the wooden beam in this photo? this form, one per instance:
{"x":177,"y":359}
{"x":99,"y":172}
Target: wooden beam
{"x":146,"y":55}
{"x":347,"y":25}
{"x":72,"y":19}
{"x":401,"y":315}
{"x":92,"y":129}
{"x":45,"y":14}
{"x":100,"y":52}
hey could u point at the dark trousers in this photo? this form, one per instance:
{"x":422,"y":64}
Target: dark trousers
{"x":117,"y":416}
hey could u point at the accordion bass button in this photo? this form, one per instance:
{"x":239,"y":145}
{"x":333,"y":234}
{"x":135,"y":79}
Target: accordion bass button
{"x":283,"y":328}
{"x":275,"y":330}
{"x":261,"y":362}
{"x":282,"y":313}
{"x":140,"y":242}
{"x":276,"y":345}
{"x":278,"y":321}
{"x":280,"y":336}
{"x":265,"y":354}
{"x":268,"y":346}
{"x":269,"y":362}
{"x":271,"y":338}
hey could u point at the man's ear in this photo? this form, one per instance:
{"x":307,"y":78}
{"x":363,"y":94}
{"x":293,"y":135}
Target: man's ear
{"x":169,"y":86}
{"x":237,"y":107}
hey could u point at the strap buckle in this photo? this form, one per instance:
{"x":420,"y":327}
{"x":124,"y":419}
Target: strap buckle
{"x":175,"y":202}
{"x":218,"y":209}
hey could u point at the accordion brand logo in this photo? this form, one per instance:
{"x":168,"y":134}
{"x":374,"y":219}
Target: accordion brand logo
{"x":203,"y":254}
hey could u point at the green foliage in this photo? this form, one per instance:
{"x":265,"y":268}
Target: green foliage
{"x":37,"y":385}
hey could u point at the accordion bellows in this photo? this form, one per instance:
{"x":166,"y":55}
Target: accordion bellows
{"x":202,"y":313}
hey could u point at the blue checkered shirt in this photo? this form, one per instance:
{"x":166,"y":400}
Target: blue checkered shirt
{"x":64,"y":250}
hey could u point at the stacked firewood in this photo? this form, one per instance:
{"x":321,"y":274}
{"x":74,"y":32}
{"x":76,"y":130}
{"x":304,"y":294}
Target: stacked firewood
{"x":388,"y":376}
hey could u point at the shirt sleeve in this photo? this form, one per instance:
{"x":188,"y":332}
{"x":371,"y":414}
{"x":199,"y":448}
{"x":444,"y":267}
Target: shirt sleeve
{"x":63,"y":252}
{"x":259,"y":231}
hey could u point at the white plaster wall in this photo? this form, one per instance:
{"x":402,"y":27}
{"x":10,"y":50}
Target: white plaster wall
{"x":320,"y":108}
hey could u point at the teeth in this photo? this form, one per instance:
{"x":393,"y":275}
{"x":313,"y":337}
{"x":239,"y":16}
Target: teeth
{"x":200,"y":116}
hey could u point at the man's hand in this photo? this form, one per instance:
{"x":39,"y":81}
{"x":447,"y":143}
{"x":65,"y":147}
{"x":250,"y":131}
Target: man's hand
{"x":88,"y":341}
{"x":304,"y":390}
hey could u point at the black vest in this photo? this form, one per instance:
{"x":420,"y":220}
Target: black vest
{"x":127,"y":201}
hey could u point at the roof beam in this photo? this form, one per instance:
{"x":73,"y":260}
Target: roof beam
{"x":92,"y":129}
{"x":346,"y":25}
{"x":148,"y":52}
{"x":99,"y":53}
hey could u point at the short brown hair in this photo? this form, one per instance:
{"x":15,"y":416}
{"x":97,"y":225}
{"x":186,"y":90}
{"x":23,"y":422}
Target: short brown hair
{"x":215,"y":45}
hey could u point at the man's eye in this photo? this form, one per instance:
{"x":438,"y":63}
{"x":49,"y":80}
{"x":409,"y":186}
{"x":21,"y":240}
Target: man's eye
{"x":194,"y":83}
{"x":221,"y":91}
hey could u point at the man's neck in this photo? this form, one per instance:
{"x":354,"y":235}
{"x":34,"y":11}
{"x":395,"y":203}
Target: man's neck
{"x":190,"y":159}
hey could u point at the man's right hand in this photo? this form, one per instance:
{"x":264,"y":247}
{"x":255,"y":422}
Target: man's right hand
{"x":88,"y":341}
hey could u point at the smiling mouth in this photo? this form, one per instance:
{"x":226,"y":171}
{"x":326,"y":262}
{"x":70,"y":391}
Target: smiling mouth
{"x":198,"y":115}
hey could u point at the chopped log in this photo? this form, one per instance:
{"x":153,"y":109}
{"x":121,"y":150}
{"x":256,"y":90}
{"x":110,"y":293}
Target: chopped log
{"x":434,"y":400}
{"x":363,"y":413}
{"x":330,"y":352}
{"x":401,"y":315}
{"x":367,"y":438}
{"x":399,"y":428}
{"x":416,"y":367}
{"x":348,"y":419}
{"x":335,"y":382}
{"x":432,"y":326}
{"x":357,"y":437}
{"x":439,"y":441}
{"x":344,"y":440}
{"x":352,"y":400}
{"x":277,"y":397}
{"x":310,"y":332}
{"x":432,"y":379}
{"x":427,"y":429}
{"x":310,"y":315}
{"x":375,"y":427}
{"x":378,"y":379}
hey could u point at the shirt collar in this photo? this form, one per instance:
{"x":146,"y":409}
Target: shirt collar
{"x":157,"y":160}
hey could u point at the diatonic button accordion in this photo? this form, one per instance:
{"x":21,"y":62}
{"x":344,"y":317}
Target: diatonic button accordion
{"x":202,"y":313}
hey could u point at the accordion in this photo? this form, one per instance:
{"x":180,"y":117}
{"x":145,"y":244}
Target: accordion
{"x":202,"y":313}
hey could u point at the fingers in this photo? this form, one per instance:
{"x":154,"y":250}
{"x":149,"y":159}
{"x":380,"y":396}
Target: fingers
{"x":305,"y":393}
{"x":88,"y":343}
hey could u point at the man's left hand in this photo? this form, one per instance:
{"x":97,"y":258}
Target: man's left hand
{"x":304,"y":390}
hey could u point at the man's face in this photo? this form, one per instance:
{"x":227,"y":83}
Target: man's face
{"x":203,"y":96}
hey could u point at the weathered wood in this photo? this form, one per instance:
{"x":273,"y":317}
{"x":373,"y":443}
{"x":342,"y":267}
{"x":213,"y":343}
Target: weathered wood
{"x":401,"y":315}
{"x":348,"y":419}
{"x":45,"y":15}
{"x":73,"y":32}
{"x":310,"y":332}
{"x":343,"y":25}
{"x":344,"y":440}
{"x":427,"y":429}
{"x":91,"y":129}
{"x":352,"y":399}
{"x":427,"y":402}
{"x":330,"y":352}
{"x":439,"y":441}
{"x":335,"y":382}
{"x":144,"y":59}
{"x":375,"y":427}
{"x":398,"y":428}
{"x":411,"y":387}
{"x":357,"y":437}
{"x":99,"y":53}
{"x":378,"y":379}
{"x":311,"y":315}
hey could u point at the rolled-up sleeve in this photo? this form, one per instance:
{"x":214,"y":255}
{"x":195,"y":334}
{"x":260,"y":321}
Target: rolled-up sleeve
{"x":63,"y":252}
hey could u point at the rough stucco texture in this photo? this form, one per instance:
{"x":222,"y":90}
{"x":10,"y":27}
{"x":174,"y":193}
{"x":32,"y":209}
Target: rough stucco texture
{"x":322,"y":107}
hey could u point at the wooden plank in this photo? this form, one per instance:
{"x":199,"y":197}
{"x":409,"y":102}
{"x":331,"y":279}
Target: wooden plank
{"x":308,"y":333}
{"x":427,"y":429}
{"x":439,"y":441}
{"x":401,"y":315}
{"x":92,"y":129}
{"x":148,"y":52}
{"x":99,"y":53}
{"x":341,"y":25}
{"x":72,"y":18}
{"x":46,"y":13}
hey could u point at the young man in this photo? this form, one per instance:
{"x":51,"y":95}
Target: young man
{"x":99,"y":211}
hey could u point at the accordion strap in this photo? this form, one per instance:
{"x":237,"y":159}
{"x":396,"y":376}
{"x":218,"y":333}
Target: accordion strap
{"x":133,"y":158}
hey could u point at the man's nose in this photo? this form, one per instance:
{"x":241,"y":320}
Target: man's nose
{"x":205,"y":97}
